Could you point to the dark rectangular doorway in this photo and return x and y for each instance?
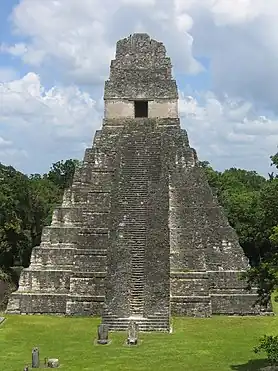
(141, 108)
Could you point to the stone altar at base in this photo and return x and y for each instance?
(139, 235)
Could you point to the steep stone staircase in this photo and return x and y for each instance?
(135, 196)
(136, 208)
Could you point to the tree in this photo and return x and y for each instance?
(61, 173)
(265, 274)
(26, 206)
(238, 191)
(14, 215)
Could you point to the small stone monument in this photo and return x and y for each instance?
(53, 363)
(35, 358)
(132, 333)
(103, 334)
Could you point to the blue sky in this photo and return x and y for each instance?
(55, 56)
(7, 60)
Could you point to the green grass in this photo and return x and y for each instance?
(217, 343)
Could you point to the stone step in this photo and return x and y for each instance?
(141, 288)
(138, 260)
(143, 326)
(137, 305)
(139, 296)
(137, 302)
(138, 275)
(139, 265)
(137, 285)
(137, 290)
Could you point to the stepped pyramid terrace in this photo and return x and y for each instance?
(139, 234)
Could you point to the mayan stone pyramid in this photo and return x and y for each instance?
(139, 234)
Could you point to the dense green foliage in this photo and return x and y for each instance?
(26, 205)
(200, 344)
(251, 205)
(249, 200)
(269, 345)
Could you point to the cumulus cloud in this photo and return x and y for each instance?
(7, 74)
(40, 126)
(239, 37)
(79, 38)
(73, 42)
(4, 143)
(46, 124)
(229, 133)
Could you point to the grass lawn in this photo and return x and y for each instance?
(217, 343)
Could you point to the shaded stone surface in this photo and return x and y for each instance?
(132, 338)
(139, 231)
(103, 331)
(35, 358)
(53, 363)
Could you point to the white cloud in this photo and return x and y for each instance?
(5, 143)
(239, 37)
(79, 38)
(228, 133)
(73, 42)
(45, 124)
(40, 126)
(7, 74)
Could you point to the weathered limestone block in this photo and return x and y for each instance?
(91, 261)
(53, 281)
(192, 306)
(236, 304)
(189, 284)
(53, 363)
(35, 358)
(42, 303)
(84, 306)
(103, 331)
(51, 256)
(92, 239)
(92, 286)
(54, 235)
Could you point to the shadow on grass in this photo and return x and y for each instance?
(255, 365)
